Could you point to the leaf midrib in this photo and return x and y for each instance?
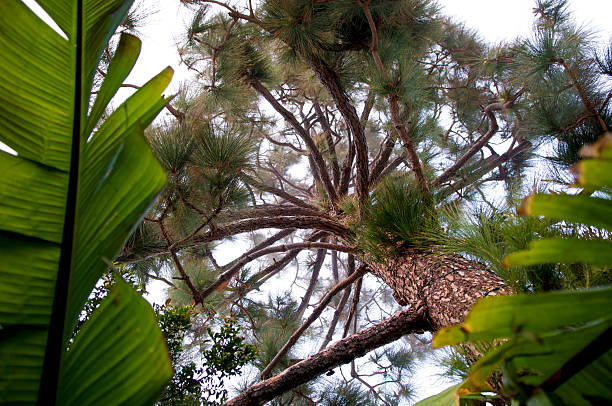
(47, 393)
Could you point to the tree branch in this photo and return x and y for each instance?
(381, 159)
(239, 227)
(330, 142)
(393, 103)
(226, 276)
(264, 244)
(310, 144)
(481, 142)
(330, 80)
(314, 277)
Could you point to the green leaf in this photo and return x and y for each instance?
(506, 316)
(138, 110)
(124, 196)
(546, 334)
(107, 353)
(537, 355)
(591, 385)
(565, 250)
(449, 397)
(594, 173)
(589, 210)
(37, 73)
(124, 59)
(68, 201)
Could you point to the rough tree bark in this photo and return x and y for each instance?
(439, 290)
(445, 285)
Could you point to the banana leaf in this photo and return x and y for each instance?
(69, 198)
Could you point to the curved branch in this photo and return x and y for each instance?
(239, 227)
(310, 144)
(488, 164)
(481, 142)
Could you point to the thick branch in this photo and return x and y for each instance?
(268, 211)
(393, 165)
(340, 353)
(415, 162)
(347, 166)
(239, 227)
(330, 80)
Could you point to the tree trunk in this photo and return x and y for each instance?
(445, 285)
(440, 290)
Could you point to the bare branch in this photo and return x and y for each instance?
(481, 142)
(226, 276)
(330, 142)
(314, 277)
(312, 147)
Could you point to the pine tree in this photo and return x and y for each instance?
(402, 118)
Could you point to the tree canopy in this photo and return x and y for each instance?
(334, 141)
(343, 179)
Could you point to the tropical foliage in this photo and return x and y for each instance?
(379, 135)
(555, 347)
(70, 195)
